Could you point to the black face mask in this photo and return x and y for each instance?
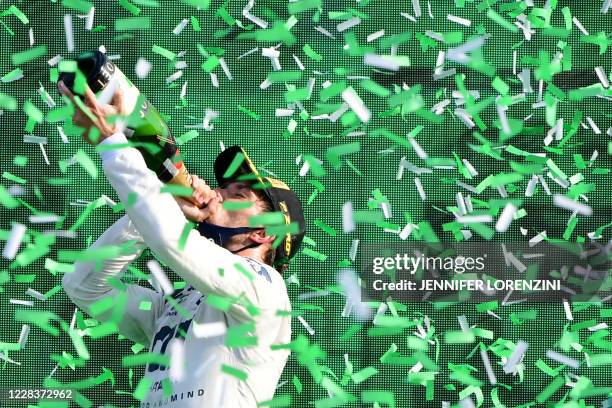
(221, 235)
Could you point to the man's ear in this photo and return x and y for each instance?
(260, 236)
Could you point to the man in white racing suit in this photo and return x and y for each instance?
(218, 341)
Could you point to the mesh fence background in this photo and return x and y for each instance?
(375, 166)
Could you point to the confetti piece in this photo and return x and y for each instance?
(14, 241)
(85, 161)
(28, 55)
(459, 20)
(133, 23)
(502, 22)
(239, 374)
(160, 277)
(206, 330)
(560, 358)
(78, 5)
(506, 217)
(7, 102)
(164, 52)
(515, 357)
(307, 326)
(566, 203)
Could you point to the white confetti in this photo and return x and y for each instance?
(375, 35)
(14, 241)
(487, 363)
(348, 221)
(560, 358)
(183, 90)
(568, 310)
(406, 231)
(345, 25)
(380, 61)
(409, 17)
(21, 302)
(35, 294)
(419, 187)
(180, 26)
(143, 67)
(325, 32)
(43, 218)
(471, 219)
(62, 134)
(461, 203)
(23, 336)
(353, 250)
(280, 112)
(249, 52)
(31, 34)
(298, 62)
(160, 277)
(416, 6)
(580, 26)
(90, 19)
(54, 61)
(531, 186)
(225, 68)
(356, 104)
(459, 20)
(567, 203)
(417, 148)
(46, 97)
(350, 288)
(177, 359)
(506, 217)
(68, 32)
(602, 77)
(307, 326)
(207, 330)
(174, 77)
(593, 126)
(214, 80)
(44, 153)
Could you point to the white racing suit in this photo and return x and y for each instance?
(227, 299)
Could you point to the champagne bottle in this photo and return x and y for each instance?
(146, 128)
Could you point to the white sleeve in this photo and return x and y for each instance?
(208, 267)
(90, 283)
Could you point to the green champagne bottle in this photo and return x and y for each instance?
(147, 129)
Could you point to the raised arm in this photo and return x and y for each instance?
(206, 266)
(89, 283)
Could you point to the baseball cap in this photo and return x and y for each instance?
(234, 164)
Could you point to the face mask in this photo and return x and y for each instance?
(221, 235)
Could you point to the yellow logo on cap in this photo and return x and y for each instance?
(285, 211)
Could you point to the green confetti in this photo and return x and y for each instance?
(303, 5)
(177, 190)
(13, 75)
(129, 7)
(17, 13)
(502, 22)
(28, 55)
(78, 5)
(7, 102)
(234, 372)
(133, 23)
(186, 137)
(312, 54)
(164, 52)
(249, 112)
